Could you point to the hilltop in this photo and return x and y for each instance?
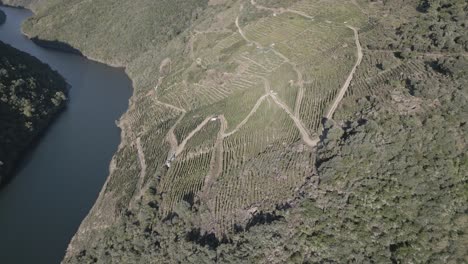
(278, 131)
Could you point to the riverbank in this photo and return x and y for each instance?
(65, 47)
(56, 44)
(61, 177)
(27, 107)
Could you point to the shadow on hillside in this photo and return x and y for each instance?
(56, 45)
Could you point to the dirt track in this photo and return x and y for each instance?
(181, 146)
(304, 134)
(142, 160)
(345, 86)
(254, 109)
(177, 148)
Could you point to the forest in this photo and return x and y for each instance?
(31, 95)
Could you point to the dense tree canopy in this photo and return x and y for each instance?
(31, 93)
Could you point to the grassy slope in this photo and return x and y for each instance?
(31, 94)
(158, 215)
(131, 28)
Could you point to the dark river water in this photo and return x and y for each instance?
(57, 184)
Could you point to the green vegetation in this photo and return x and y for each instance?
(225, 154)
(442, 28)
(31, 94)
(152, 25)
(395, 175)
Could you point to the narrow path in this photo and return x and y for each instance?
(177, 149)
(299, 13)
(216, 163)
(246, 119)
(141, 179)
(300, 92)
(359, 7)
(141, 158)
(181, 146)
(190, 45)
(260, 7)
(345, 87)
(304, 134)
(280, 10)
(300, 81)
(241, 32)
(171, 106)
(171, 137)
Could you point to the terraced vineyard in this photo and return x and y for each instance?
(228, 152)
(247, 179)
(243, 99)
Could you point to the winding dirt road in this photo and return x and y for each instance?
(304, 134)
(246, 119)
(345, 86)
(181, 146)
(295, 117)
(141, 178)
(279, 10)
(177, 149)
(171, 137)
(216, 163)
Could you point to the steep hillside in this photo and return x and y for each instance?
(273, 131)
(22, 3)
(149, 25)
(31, 94)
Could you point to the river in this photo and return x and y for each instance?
(58, 182)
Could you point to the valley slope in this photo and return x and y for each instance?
(275, 131)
